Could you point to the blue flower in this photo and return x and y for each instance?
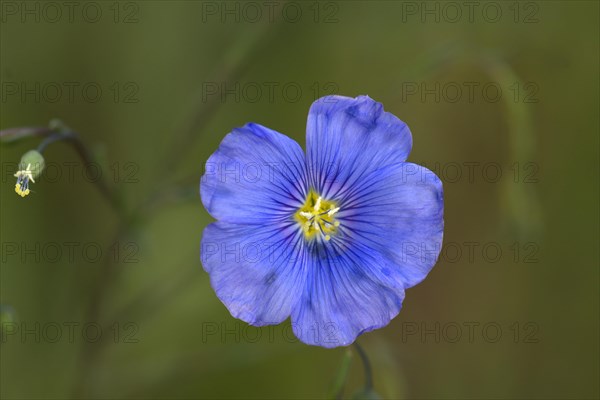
(331, 239)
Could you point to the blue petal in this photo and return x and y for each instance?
(346, 294)
(256, 175)
(397, 211)
(390, 237)
(256, 271)
(347, 138)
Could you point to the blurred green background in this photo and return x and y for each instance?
(176, 76)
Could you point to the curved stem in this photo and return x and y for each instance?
(13, 135)
(74, 139)
(342, 376)
(367, 366)
(235, 62)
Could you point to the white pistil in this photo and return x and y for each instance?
(26, 173)
(333, 211)
(305, 214)
(318, 204)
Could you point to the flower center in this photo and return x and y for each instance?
(316, 217)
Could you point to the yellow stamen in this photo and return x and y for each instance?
(316, 217)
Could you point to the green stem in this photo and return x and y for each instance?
(341, 377)
(366, 365)
(173, 195)
(235, 62)
(90, 352)
(74, 140)
(14, 135)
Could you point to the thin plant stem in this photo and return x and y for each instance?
(342, 376)
(235, 62)
(13, 135)
(74, 140)
(90, 353)
(367, 366)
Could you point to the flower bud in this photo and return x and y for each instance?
(31, 166)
